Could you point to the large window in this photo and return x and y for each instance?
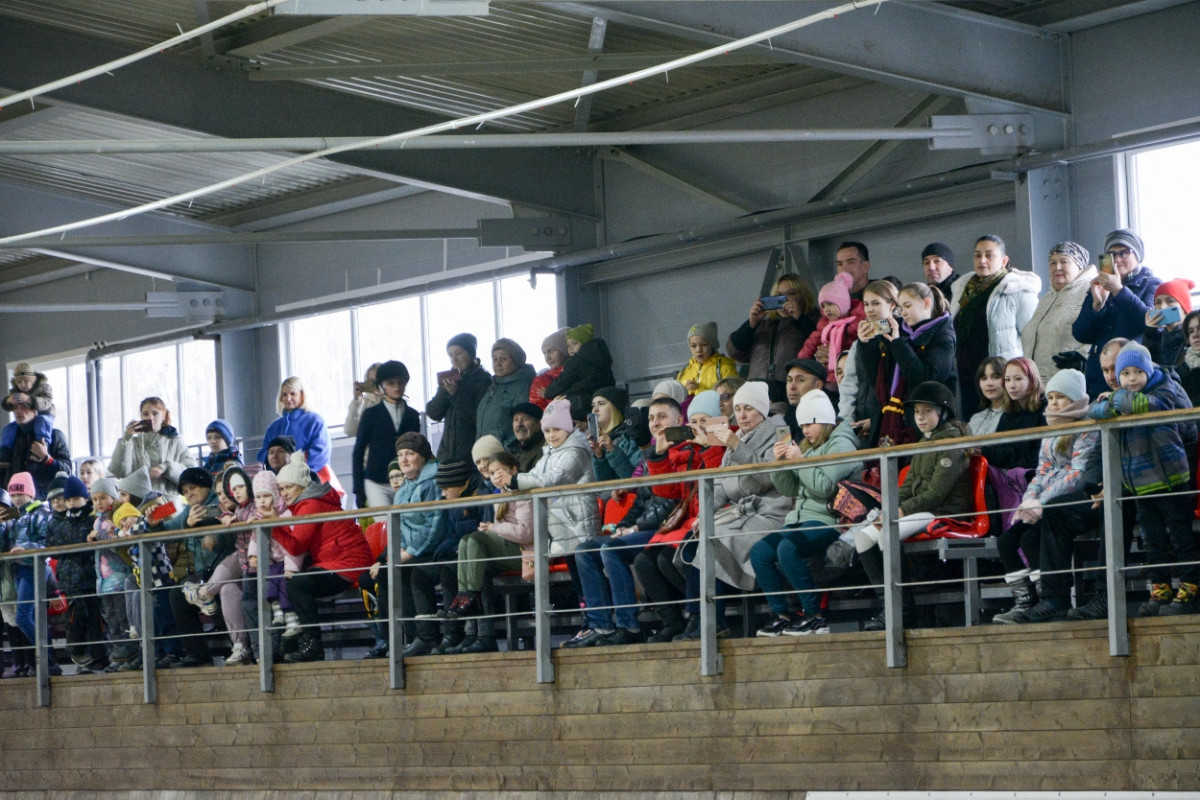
(330, 351)
(1163, 183)
(69, 382)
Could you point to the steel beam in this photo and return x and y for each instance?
(913, 45)
(594, 62)
(583, 109)
(244, 238)
(178, 91)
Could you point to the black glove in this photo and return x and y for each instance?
(1070, 359)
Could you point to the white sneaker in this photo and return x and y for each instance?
(133, 632)
(292, 621)
(191, 593)
(240, 655)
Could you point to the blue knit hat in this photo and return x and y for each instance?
(1135, 355)
(222, 428)
(75, 488)
(707, 403)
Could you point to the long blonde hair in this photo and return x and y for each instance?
(291, 383)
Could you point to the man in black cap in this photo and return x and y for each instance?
(279, 450)
(527, 428)
(803, 376)
(937, 260)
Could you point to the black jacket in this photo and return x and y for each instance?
(583, 373)
(43, 472)
(76, 571)
(1017, 454)
(457, 413)
(376, 445)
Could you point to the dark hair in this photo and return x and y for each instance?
(504, 459)
(859, 246)
(670, 402)
(924, 291)
(1186, 321)
(994, 239)
(996, 363)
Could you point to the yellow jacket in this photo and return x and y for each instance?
(716, 369)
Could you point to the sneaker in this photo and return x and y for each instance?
(466, 604)
(777, 626)
(1160, 596)
(1096, 608)
(876, 623)
(807, 626)
(1185, 602)
(191, 593)
(132, 665)
(623, 636)
(587, 638)
(482, 644)
(1045, 611)
(691, 632)
(666, 633)
(195, 661)
(166, 661)
(292, 621)
(454, 649)
(240, 656)
(418, 647)
(380, 650)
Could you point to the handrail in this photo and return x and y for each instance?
(710, 659)
(598, 487)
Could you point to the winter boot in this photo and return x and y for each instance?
(1096, 608)
(1047, 610)
(1185, 602)
(672, 624)
(872, 562)
(1024, 598)
(1160, 596)
(308, 648)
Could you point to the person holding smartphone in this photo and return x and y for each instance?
(615, 453)
(1117, 304)
(151, 441)
(1165, 337)
(771, 336)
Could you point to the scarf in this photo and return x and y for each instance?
(1073, 413)
(979, 285)
(1191, 358)
(834, 336)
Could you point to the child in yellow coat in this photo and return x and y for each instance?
(706, 368)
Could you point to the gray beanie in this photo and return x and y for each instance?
(136, 484)
(1070, 383)
(707, 330)
(109, 487)
(1129, 239)
(671, 388)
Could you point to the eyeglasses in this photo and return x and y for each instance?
(725, 397)
(1121, 253)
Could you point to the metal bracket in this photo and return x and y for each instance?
(531, 233)
(991, 134)
(194, 301)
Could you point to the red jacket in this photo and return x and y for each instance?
(334, 546)
(682, 458)
(537, 389)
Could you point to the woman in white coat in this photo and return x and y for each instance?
(991, 307)
(1048, 332)
(152, 442)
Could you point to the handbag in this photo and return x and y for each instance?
(56, 604)
(679, 513)
(853, 501)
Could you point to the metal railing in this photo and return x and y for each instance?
(710, 658)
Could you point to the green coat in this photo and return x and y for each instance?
(938, 482)
(814, 487)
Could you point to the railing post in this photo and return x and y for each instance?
(146, 604)
(710, 659)
(266, 654)
(41, 629)
(541, 591)
(394, 611)
(889, 543)
(1114, 541)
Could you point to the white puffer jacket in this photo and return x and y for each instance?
(571, 519)
(1009, 309)
(1049, 330)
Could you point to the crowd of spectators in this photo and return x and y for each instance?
(863, 362)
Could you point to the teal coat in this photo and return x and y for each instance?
(814, 487)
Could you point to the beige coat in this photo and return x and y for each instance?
(1049, 329)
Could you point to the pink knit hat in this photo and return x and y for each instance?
(265, 482)
(558, 415)
(22, 483)
(837, 291)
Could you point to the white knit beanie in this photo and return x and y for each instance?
(756, 395)
(296, 471)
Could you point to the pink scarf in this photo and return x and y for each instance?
(833, 337)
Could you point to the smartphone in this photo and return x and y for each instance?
(162, 512)
(449, 375)
(593, 428)
(883, 325)
(679, 433)
(1169, 316)
(783, 434)
(773, 302)
(1106, 264)
(143, 426)
(715, 424)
